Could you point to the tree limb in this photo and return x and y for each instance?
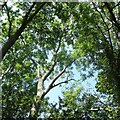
(53, 81)
(10, 22)
(99, 28)
(49, 72)
(3, 5)
(9, 69)
(14, 38)
(52, 67)
(38, 8)
(116, 5)
(27, 14)
(62, 83)
(106, 26)
(113, 18)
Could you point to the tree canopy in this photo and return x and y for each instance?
(42, 41)
(76, 104)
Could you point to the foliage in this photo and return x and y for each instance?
(53, 37)
(77, 104)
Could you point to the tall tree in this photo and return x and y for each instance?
(52, 36)
(45, 44)
(98, 43)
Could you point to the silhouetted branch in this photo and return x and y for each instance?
(13, 38)
(62, 83)
(105, 25)
(10, 22)
(113, 18)
(3, 5)
(54, 80)
(49, 72)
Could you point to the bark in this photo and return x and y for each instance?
(37, 101)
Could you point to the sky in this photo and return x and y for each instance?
(88, 85)
(55, 92)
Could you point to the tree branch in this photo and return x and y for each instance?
(99, 28)
(52, 67)
(49, 72)
(62, 83)
(113, 18)
(53, 81)
(38, 8)
(59, 44)
(10, 22)
(106, 26)
(116, 5)
(13, 38)
(27, 14)
(3, 5)
(6, 72)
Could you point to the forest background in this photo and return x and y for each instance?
(44, 43)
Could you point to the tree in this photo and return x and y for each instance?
(60, 34)
(98, 43)
(77, 104)
(23, 90)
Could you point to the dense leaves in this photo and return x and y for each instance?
(52, 37)
(77, 104)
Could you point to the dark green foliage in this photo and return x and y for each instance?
(57, 35)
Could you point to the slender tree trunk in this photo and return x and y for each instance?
(36, 105)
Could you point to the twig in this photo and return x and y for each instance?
(6, 72)
(62, 83)
(10, 22)
(3, 5)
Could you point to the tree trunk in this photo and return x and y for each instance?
(36, 105)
